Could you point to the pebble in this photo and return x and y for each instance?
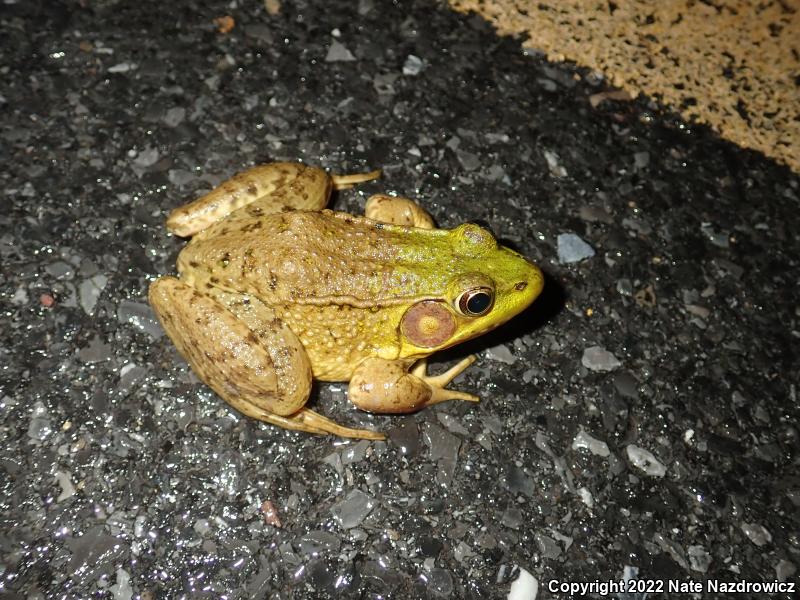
(413, 65)
(141, 316)
(122, 67)
(554, 164)
(353, 509)
(525, 587)
(405, 437)
(512, 518)
(20, 297)
(39, 427)
(122, 588)
(699, 559)
(626, 385)
(440, 582)
(784, 570)
(355, 453)
(442, 444)
(644, 460)
(548, 547)
(147, 157)
(174, 116)
(339, 53)
(60, 269)
(585, 441)
(572, 249)
(586, 496)
(318, 541)
(501, 353)
(65, 483)
(757, 534)
(595, 214)
(89, 292)
(469, 160)
(97, 351)
(596, 358)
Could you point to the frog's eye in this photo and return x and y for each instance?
(475, 302)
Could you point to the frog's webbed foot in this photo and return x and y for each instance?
(396, 210)
(387, 386)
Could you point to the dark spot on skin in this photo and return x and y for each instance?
(252, 189)
(255, 225)
(214, 280)
(254, 211)
(521, 286)
(349, 221)
(194, 264)
(208, 285)
(251, 338)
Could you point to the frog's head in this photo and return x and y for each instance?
(484, 285)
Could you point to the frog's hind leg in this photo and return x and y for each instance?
(251, 359)
(264, 189)
(306, 420)
(397, 211)
(268, 366)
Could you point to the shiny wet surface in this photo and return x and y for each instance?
(641, 415)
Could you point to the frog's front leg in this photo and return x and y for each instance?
(397, 210)
(263, 189)
(251, 359)
(387, 386)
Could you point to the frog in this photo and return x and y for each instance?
(275, 291)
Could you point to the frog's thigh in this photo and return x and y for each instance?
(397, 211)
(386, 386)
(267, 368)
(263, 189)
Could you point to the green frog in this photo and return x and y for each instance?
(275, 291)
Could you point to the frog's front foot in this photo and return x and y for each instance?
(387, 386)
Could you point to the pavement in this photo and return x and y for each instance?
(638, 422)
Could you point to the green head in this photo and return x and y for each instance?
(466, 283)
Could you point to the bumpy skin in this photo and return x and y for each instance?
(273, 291)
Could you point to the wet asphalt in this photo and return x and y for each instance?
(639, 420)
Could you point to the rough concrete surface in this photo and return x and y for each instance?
(639, 421)
(733, 64)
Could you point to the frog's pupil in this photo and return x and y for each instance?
(478, 303)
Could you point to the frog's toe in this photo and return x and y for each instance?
(397, 211)
(343, 182)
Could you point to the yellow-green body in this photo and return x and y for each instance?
(291, 279)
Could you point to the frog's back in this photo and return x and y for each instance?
(300, 257)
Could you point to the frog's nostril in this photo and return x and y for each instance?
(521, 286)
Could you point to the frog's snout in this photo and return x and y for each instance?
(530, 285)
